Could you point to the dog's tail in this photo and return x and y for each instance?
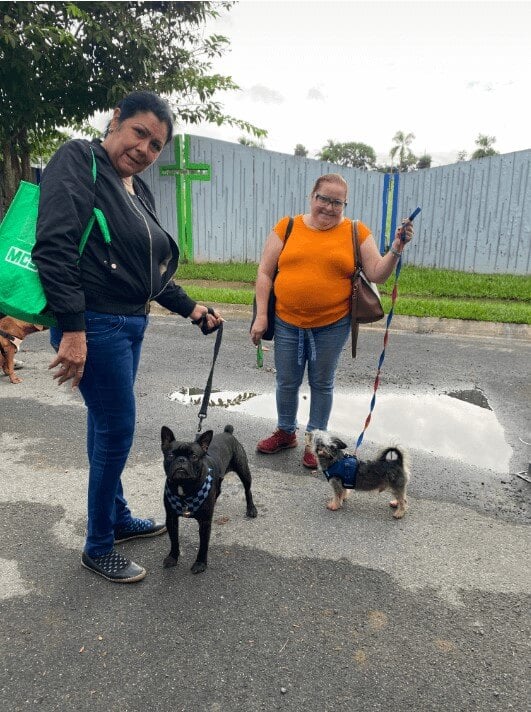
(228, 429)
(401, 458)
(399, 455)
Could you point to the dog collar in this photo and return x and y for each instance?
(186, 506)
(345, 469)
(16, 342)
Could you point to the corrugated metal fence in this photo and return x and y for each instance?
(476, 215)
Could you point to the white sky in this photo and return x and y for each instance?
(361, 71)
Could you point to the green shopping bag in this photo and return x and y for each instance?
(21, 292)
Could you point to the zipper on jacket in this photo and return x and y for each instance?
(139, 212)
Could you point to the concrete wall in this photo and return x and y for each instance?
(476, 215)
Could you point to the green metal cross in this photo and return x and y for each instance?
(185, 172)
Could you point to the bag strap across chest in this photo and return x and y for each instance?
(356, 248)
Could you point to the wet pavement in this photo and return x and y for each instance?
(301, 609)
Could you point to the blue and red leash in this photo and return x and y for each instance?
(394, 295)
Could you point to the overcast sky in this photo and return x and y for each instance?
(361, 71)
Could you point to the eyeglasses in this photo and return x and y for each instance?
(325, 200)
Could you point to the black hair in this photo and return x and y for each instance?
(141, 101)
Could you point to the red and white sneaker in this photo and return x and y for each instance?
(308, 459)
(280, 440)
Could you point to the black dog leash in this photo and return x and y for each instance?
(208, 389)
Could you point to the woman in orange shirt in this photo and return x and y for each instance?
(313, 289)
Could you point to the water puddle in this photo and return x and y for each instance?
(223, 399)
(474, 396)
(446, 425)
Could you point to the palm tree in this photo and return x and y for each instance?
(405, 155)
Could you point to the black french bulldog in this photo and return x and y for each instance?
(194, 473)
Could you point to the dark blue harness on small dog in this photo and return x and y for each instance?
(345, 469)
(186, 506)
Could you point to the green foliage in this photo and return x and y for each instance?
(423, 161)
(251, 142)
(357, 155)
(300, 150)
(60, 62)
(485, 146)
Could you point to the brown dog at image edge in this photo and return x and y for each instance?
(12, 333)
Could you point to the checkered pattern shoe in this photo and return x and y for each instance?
(114, 567)
(139, 529)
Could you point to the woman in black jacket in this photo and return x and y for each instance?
(101, 301)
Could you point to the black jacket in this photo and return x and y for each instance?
(113, 279)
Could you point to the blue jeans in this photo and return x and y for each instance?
(318, 348)
(114, 343)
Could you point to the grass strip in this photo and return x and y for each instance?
(509, 312)
(421, 281)
(219, 271)
(413, 281)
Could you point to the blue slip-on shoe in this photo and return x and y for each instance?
(114, 567)
(139, 529)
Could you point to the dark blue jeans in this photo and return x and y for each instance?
(114, 344)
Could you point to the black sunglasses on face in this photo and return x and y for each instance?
(325, 200)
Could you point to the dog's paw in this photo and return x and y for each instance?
(393, 503)
(198, 567)
(169, 561)
(399, 513)
(252, 512)
(333, 505)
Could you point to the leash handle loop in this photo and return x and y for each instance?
(202, 323)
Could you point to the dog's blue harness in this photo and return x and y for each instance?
(186, 506)
(345, 469)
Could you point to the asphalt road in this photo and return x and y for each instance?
(302, 609)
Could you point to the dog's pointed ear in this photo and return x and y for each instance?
(337, 442)
(166, 437)
(205, 439)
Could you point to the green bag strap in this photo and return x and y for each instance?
(97, 215)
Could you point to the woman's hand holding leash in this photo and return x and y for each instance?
(404, 234)
(206, 318)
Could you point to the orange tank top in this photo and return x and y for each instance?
(313, 284)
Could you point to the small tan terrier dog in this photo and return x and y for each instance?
(389, 471)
